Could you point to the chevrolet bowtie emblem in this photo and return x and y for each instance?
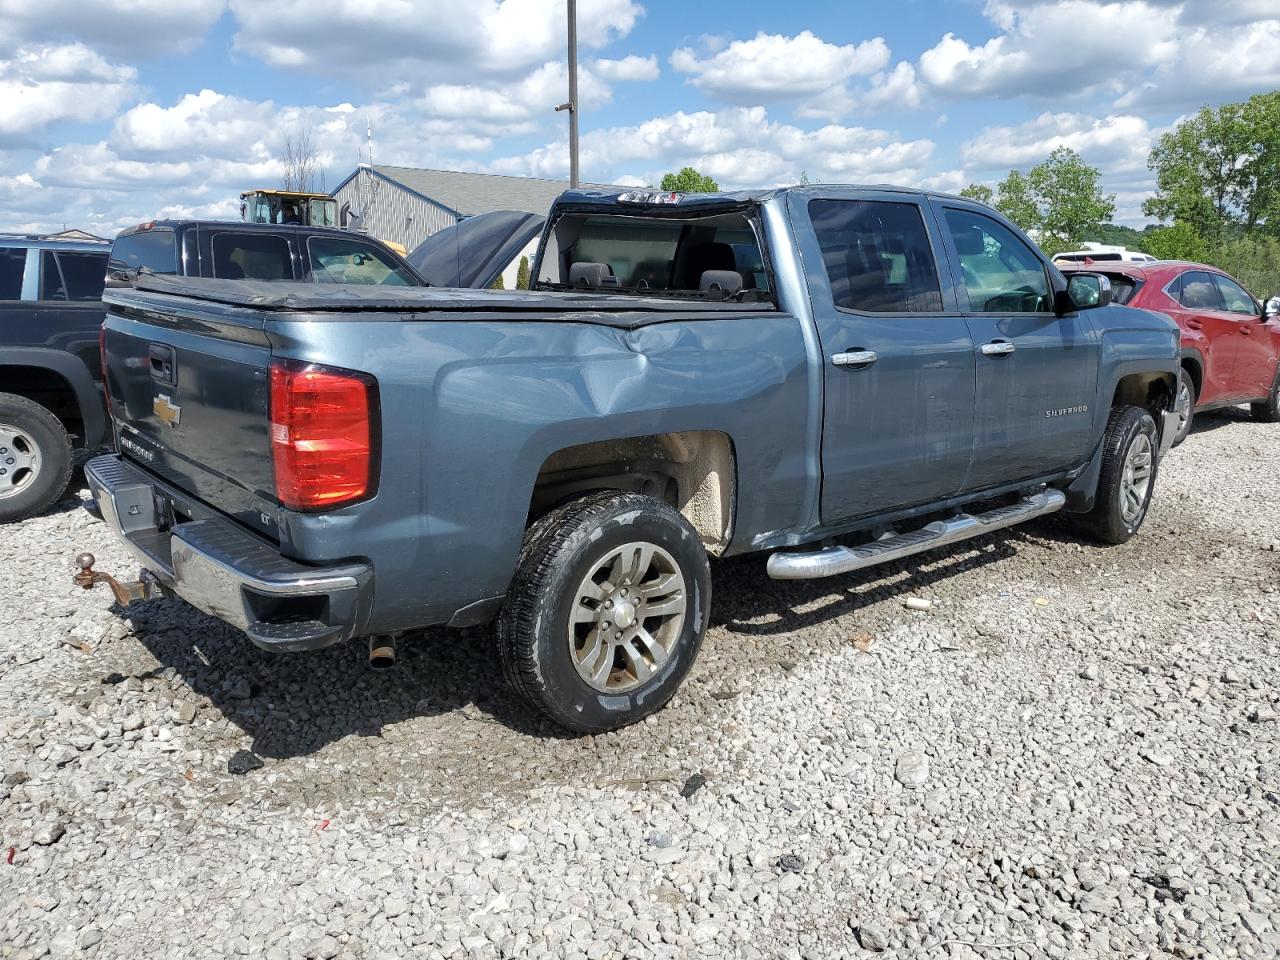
(166, 410)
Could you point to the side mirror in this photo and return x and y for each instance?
(1086, 291)
(1272, 308)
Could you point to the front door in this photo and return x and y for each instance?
(1036, 371)
(1204, 312)
(1254, 368)
(898, 362)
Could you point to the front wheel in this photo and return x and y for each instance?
(1268, 411)
(35, 458)
(1130, 452)
(606, 611)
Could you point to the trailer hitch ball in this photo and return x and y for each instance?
(144, 588)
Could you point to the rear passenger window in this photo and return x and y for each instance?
(1002, 274)
(82, 275)
(877, 256)
(1199, 292)
(13, 262)
(251, 256)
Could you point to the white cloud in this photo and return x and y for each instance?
(431, 39)
(207, 122)
(740, 147)
(629, 68)
(772, 67)
(42, 86)
(1118, 144)
(1138, 51)
(136, 28)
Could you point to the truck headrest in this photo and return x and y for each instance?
(586, 274)
(724, 282)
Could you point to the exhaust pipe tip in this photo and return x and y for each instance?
(382, 652)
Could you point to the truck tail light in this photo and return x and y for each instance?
(324, 435)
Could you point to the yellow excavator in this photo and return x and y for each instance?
(293, 206)
(289, 206)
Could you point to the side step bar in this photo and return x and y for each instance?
(832, 561)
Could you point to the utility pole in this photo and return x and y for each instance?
(572, 105)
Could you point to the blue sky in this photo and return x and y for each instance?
(115, 111)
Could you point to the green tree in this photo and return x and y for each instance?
(1219, 171)
(497, 284)
(1059, 201)
(1014, 200)
(522, 274)
(1177, 242)
(689, 180)
(979, 192)
(1254, 261)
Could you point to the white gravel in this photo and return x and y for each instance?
(1074, 752)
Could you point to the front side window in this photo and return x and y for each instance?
(251, 256)
(877, 256)
(13, 262)
(1002, 274)
(1235, 297)
(336, 260)
(1199, 292)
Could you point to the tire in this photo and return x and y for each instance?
(1187, 394)
(1268, 411)
(567, 569)
(35, 458)
(1115, 516)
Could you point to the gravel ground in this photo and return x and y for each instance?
(1074, 752)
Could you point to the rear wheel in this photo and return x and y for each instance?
(35, 458)
(606, 611)
(1185, 405)
(1268, 411)
(1128, 478)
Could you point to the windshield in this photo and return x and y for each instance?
(715, 257)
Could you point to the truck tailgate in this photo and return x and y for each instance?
(189, 393)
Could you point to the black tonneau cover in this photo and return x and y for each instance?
(620, 310)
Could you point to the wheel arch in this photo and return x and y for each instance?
(1193, 363)
(694, 471)
(62, 384)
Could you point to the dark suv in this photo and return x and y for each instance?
(50, 295)
(50, 397)
(256, 251)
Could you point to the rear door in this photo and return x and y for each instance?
(69, 304)
(1254, 369)
(1036, 371)
(898, 361)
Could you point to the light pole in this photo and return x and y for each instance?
(572, 105)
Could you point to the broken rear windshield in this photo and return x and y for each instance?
(716, 257)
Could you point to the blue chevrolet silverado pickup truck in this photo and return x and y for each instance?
(839, 376)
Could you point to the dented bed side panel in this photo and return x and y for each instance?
(471, 412)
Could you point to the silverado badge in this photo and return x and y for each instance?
(166, 409)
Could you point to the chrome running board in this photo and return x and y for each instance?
(832, 561)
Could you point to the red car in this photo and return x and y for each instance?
(1230, 342)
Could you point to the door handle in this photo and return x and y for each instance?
(855, 358)
(998, 348)
(1195, 324)
(1246, 330)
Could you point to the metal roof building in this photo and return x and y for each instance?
(406, 204)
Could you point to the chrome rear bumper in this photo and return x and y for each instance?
(222, 569)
